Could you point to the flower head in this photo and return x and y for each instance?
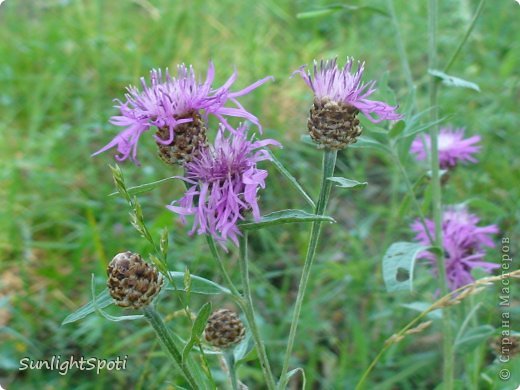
(224, 329)
(453, 148)
(131, 281)
(224, 181)
(178, 107)
(339, 94)
(464, 244)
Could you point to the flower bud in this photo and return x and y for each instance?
(224, 329)
(132, 282)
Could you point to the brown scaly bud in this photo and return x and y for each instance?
(333, 125)
(224, 329)
(132, 282)
(188, 139)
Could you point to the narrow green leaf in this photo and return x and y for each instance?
(453, 81)
(473, 338)
(397, 129)
(103, 299)
(197, 329)
(143, 187)
(347, 183)
(198, 285)
(423, 306)
(281, 217)
(291, 373)
(291, 179)
(399, 263)
(366, 142)
(332, 9)
(244, 348)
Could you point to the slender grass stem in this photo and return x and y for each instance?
(448, 356)
(411, 193)
(248, 308)
(465, 37)
(166, 339)
(445, 302)
(400, 47)
(329, 162)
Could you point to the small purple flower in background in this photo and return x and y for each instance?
(224, 183)
(178, 107)
(453, 148)
(464, 244)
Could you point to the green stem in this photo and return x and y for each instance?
(249, 311)
(411, 193)
(448, 357)
(465, 37)
(329, 162)
(229, 357)
(166, 339)
(218, 259)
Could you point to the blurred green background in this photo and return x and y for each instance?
(61, 65)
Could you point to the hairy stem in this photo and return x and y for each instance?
(166, 339)
(448, 356)
(248, 308)
(329, 162)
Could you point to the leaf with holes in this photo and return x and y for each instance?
(399, 263)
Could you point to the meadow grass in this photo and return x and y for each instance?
(62, 63)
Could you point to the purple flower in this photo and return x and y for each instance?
(464, 244)
(452, 147)
(170, 101)
(329, 82)
(224, 181)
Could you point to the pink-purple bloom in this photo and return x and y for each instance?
(224, 180)
(343, 85)
(464, 244)
(453, 147)
(169, 101)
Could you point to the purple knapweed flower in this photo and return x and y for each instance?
(453, 148)
(328, 81)
(224, 181)
(176, 105)
(339, 95)
(464, 244)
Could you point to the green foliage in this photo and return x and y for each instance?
(63, 62)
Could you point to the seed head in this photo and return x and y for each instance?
(132, 282)
(224, 329)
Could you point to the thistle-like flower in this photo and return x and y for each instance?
(132, 282)
(224, 329)
(464, 244)
(453, 148)
(178, 107)
(339, 95)
(224, 181)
